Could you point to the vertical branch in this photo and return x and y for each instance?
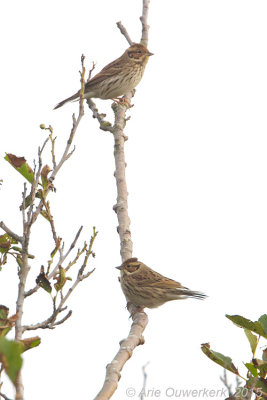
(121, 207)
(31, 216)
(143, 391)
(24, 269)
(143, 19)
(140, 319)
(75, 124)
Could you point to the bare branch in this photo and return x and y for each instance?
(124, 33)
(121, 207)
(48, 323)
(91, 71)
(143, 19)
(32, 216)
(73, 244)
(140, 319)
(63, 319)
(53, 140)
(60, 262)
(10, 232)
(89, 252)
(70, 291)
(4, 396)
(40, 150)
(75, 123)
(51, 220)
(228, 386)
(104, 125)
(143, 391)
(127, 346)
(24, 267)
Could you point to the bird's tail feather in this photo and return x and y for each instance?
(197, 295)
(74, 97)
(185, 293)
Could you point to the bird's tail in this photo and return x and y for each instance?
(75, 96)
(192, 293)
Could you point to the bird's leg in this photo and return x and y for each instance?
(123, 101)
(133, 309)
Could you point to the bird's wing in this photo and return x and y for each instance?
(112, 69)
(154, 279)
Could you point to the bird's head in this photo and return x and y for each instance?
(130, 266)
(138, 53)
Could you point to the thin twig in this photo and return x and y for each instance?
(30, 213)
(4, 396)
(224, 380)
(60, 262)
(104, 125)
(51, 220)
(32, 216)
(91, 71)
(75, 123)
(10, 232)
(50, 323)
(143, 391)
(124, 32)
(63, 319)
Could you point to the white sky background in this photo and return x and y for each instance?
(196, 177)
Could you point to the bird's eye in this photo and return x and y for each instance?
(132, 268)
(139, 52)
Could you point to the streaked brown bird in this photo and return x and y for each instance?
(144, 287)
(116, 78)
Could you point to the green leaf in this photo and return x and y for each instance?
(263, 321)
(61, 279)
(10, 357)
(263, 370)
(261, 366)
(43, 282)
(5, 242)
(19, 261)
(253, 340)
(218, 358)
(3, 314)
(20, 164)
(252, 369)
(258, 383)
(30, 343)
(242, 322)
(35, 343)
(44, 173)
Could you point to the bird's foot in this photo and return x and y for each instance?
(123, 101)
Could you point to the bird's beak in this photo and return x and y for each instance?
(149, 54)
(118, 267)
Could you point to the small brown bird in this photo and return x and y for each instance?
(144, 287)
(116, 78)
